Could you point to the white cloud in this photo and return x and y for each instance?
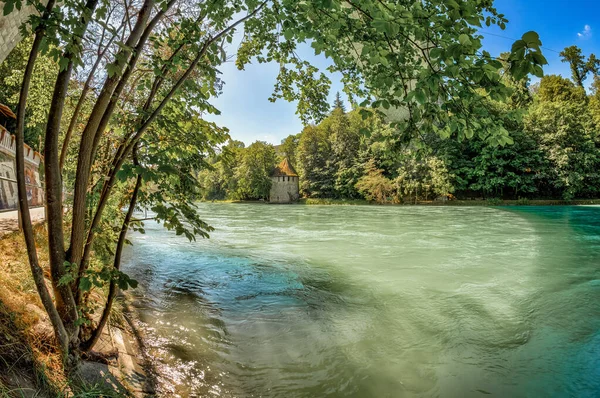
(585, 33)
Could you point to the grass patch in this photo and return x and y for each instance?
(28, 356)
(85, 390)
(30, 364)
(471, 203)
(326, 201)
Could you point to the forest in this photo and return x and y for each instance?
(554, 151)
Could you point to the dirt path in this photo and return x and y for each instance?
(9, 220)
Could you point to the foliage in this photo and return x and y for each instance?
(422, 177)
(565, 133)
(289, 147)
(314, 163)
(580, 67)
(557, 88)
(239, 173)
(338, 103)
(11, 75)
(253, 175)
(374, 186)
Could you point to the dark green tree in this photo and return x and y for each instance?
(338, 103)
(253, 174)
(314, 163)
(289, 147)
(580, 67)
(565, 132)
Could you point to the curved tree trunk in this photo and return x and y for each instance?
(37, 272)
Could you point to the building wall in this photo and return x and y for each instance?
(9, 27)
(284, 190)
(8, 177)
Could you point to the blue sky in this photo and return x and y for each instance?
(247, 112)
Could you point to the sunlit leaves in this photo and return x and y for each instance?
(526, 56)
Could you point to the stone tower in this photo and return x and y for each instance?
(284, 187)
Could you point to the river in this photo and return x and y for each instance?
(374, 301)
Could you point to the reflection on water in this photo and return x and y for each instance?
(306, 301)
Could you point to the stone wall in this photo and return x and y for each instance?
(8, 177)
(9, 27)
(284, 190)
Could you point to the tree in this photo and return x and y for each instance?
(374, 186)
(314, 163)
(580, 67)
(564, 132)
(422, 177)
(11, 76)
(289, 147)
(338, 103)
(557, 88)
(594, 102)
(521, 96)
(253, 175)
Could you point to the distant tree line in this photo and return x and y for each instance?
(554, 154)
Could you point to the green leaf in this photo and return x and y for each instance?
(85, 284)
(464, 40)
(518, 45)
(112, 69)
(365, 114)
(8, 7)
(435, 52)
(538, 71)
(532, 39)
(66, 279)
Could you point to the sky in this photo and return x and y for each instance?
(247, 112)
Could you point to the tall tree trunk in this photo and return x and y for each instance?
(65, 300)
(54, 209)
(27, 227)
(80, 101)
(137, 51)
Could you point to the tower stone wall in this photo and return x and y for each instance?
(8, 174)
(284, 189)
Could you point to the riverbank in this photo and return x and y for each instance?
(30, 365)
(488, 202)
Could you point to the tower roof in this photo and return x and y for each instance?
(7, 112)
(284, 169)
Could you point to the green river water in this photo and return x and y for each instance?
(373, 301)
